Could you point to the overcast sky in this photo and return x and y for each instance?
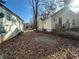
(75, 5)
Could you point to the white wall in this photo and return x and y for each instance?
(12, 26)
(40, 24)
(47, 25)
(66, 15)
(52, 22)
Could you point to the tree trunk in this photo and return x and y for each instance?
(36, 15)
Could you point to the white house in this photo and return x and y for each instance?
(62, 19)
(10, 24)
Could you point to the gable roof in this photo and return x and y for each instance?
(64, 8)
(1, 5)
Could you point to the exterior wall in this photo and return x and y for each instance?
(21, 25)
(40, 25)
(9, 19)
(11, 23)
(47, 25)
(67, 19)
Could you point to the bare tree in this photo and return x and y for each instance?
(50, 7)
(43, 5)
(35, 9)
(34, 5)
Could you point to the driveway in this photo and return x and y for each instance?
(34, 45)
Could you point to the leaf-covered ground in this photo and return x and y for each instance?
(33, 45)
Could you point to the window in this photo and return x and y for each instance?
(60, 20)
(73, 22)
(2, 30)
(67, 24)
(14, 19)
(1, 15)
(8, 16)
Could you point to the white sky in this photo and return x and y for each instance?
(74, 5)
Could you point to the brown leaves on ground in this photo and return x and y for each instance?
(25, 46)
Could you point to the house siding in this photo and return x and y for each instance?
(11, 23)
(48, 25)
(67, 16)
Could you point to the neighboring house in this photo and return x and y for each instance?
(44, 25)
(10, 24)
(27, 26)
(62, 19)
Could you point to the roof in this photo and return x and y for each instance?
(64, 8)
(1, 5)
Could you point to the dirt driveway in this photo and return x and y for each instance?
(34, 45)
